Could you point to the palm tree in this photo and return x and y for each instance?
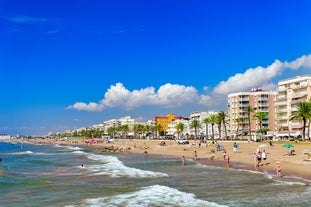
(249, 110)
(239, 121)
(125, 129)
(180, 128)
(195, 124)
(159, 129)
(222, 116)
(303, 113)
(218, 122)
(206, 121)
(260, 116)
(213, 119)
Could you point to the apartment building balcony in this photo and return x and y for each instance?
(295, 102)
(282, 89)
(281, 97)
(243, 106)
(278, 118)
(299, 86)
(281, 110)
(300, 94)
(263, 110)
(280, 125)
(281, 103)
(296, 125)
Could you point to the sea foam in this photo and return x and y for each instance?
(155, 195)
(112, 166)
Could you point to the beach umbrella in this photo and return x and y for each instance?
(288, 145)
(262, 145)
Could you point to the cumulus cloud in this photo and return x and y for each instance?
(167, 96)
(175, 95)
(260, 76)
(86, 107)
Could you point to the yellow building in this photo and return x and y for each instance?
(163, 121)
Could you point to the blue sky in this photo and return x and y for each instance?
(68, 64)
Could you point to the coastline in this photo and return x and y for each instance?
(292, 166)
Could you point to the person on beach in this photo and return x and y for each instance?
(224, 154)
(183, 160)
(227, 160)
(195, 155)
(270, 143)
(255, 157)
(259, 158)
(278, 169)
(235, 147)
(263, 155)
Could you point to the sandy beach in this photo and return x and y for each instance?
(243, 158)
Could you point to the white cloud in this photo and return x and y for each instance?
(259, 76)
(168, 96)
(303, 61)
(86, 107)
(175, 95)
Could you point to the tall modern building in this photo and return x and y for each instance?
(257, 99)
(291, 92)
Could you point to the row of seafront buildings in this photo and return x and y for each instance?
(279, 105)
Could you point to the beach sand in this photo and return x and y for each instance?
(243, 158)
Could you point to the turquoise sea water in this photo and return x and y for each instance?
(47, 175)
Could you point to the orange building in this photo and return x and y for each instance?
(163, 121)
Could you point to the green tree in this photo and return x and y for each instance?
(239, 121)
(180, 128)
(111, 131)
(222, 117)
(260, 115)
(195, 124)
(219, 123)
(124, 129)
(206, 121)
(213, 118)
(304, 114)
(249, 110)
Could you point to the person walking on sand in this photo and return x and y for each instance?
(195, 155)
(278, 169)
(255, 157)
(263, 155)
(183, 160)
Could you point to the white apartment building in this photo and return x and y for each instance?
(291, 92)
(257, 99)
(201, 131)
(171, 128)
(205, 129)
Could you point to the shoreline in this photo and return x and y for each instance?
(292, 166)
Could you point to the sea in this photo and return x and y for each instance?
(74, 176)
